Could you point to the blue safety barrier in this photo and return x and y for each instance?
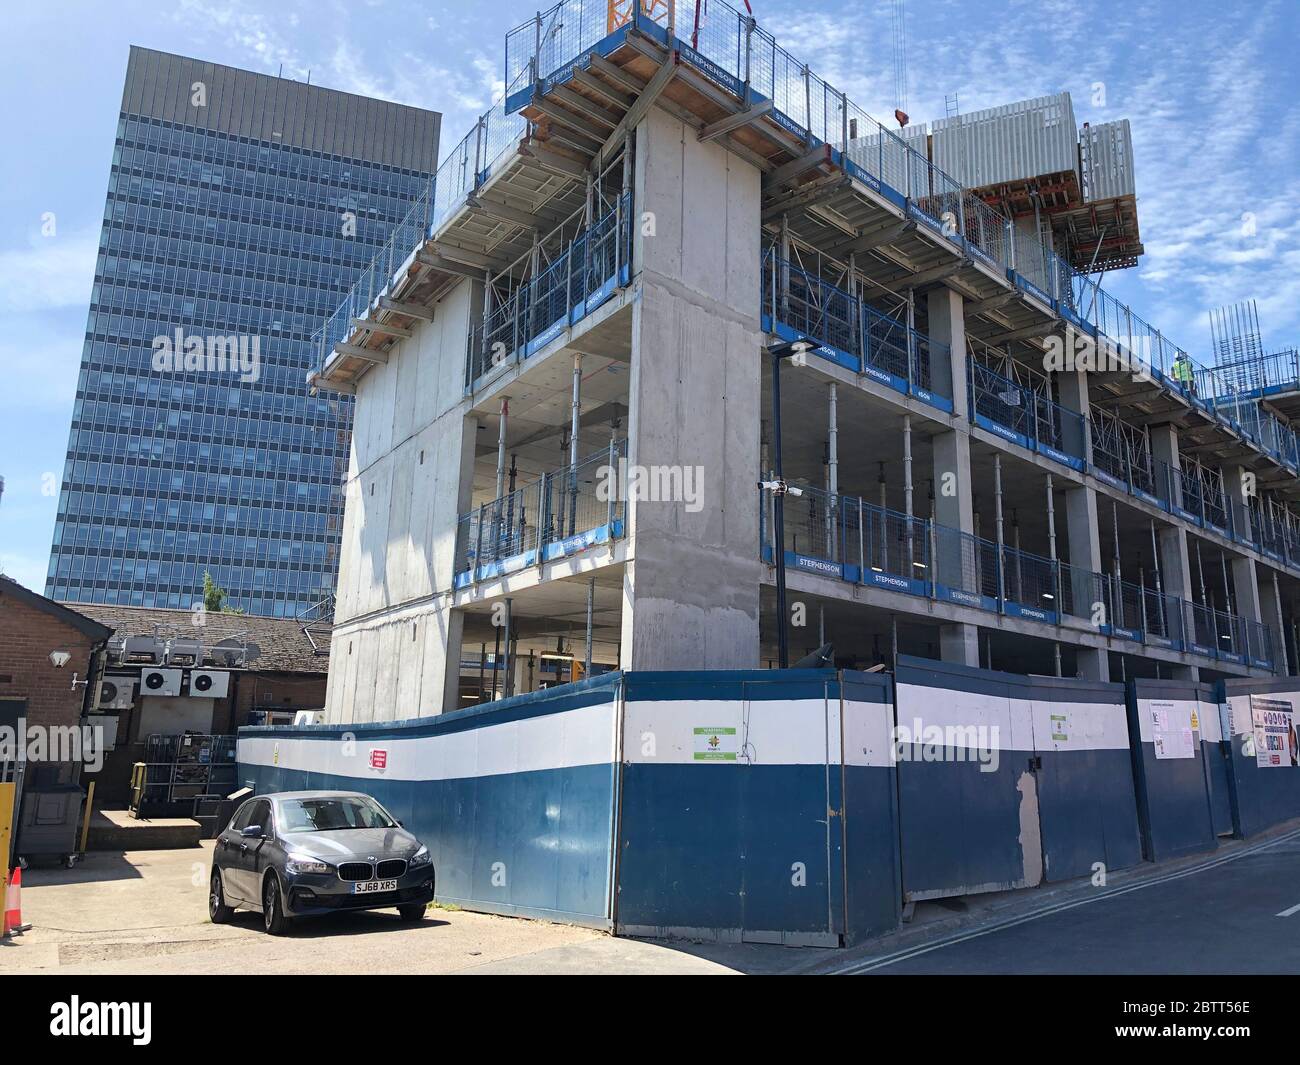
(1169, 766)
(736, 821)
(1259, 730)
(751, 805)
(516, 799)
(1007, 781)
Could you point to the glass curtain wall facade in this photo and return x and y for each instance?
(240, 209)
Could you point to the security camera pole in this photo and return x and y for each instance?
(780, 489)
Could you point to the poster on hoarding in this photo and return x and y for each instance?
(1275, 736)
(1171, 730)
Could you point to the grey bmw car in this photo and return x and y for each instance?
(302, 853)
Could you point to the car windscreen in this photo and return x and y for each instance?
(332, 815)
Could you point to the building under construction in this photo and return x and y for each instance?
(566, 455)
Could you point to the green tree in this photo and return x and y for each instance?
(214, 597)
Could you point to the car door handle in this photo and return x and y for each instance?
(243, 847)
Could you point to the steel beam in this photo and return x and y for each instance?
(789, 171)
(379, 358)
(411, 310)
(386, 328)
(575, 101)
(553, 161)
(591, 83)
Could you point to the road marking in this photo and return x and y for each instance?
(1288, 913)
(1047, 911)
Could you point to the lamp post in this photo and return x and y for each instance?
(779, 489)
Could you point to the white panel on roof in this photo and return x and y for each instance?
(1108, 148)
(1011, 142)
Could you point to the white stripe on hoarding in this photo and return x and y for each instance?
(868, 732)
(972, 720)
(722, 731)
(1061, 726)
(565, 740)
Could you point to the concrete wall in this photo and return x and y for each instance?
(691, 589)
(408, 481)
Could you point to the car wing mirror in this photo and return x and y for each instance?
(251, 832)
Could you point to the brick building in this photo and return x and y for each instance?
(35, 635)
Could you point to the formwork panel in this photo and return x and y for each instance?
(1008, 143)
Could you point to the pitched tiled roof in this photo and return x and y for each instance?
(286, 646)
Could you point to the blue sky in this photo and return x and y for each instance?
(1211, 89)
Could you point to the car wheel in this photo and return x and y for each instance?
(218, 911)
(273, 918)
(412, 913)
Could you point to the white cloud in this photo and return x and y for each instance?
(50, 272)
(251, 31)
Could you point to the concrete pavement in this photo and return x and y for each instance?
(146, 912)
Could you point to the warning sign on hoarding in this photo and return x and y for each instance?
(716, 744)
(1275, 736)
(1171, 730)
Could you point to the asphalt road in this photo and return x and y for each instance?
(1230, 913)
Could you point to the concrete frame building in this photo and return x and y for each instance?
(998, 463)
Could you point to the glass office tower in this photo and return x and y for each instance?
(240, 209)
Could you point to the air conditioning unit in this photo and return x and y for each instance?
(160, 681)
(145, 650)
(106, 727)
(116, 693)
(184, 652)
(209, 683)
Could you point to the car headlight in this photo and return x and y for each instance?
(305, 863)
(419, 858)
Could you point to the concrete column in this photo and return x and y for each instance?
(1234, 483)
(1084, 538)
(946, 311)
(1270, 604)
(960, 643)
(1245, 583)
(691, 585)
(1073, 386)
(1164, 448)
(952, 477)
(952, 484)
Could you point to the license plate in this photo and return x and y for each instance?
(369, 887)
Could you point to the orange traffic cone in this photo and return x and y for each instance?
(13, 919)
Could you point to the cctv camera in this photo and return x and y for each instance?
(59, 659)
